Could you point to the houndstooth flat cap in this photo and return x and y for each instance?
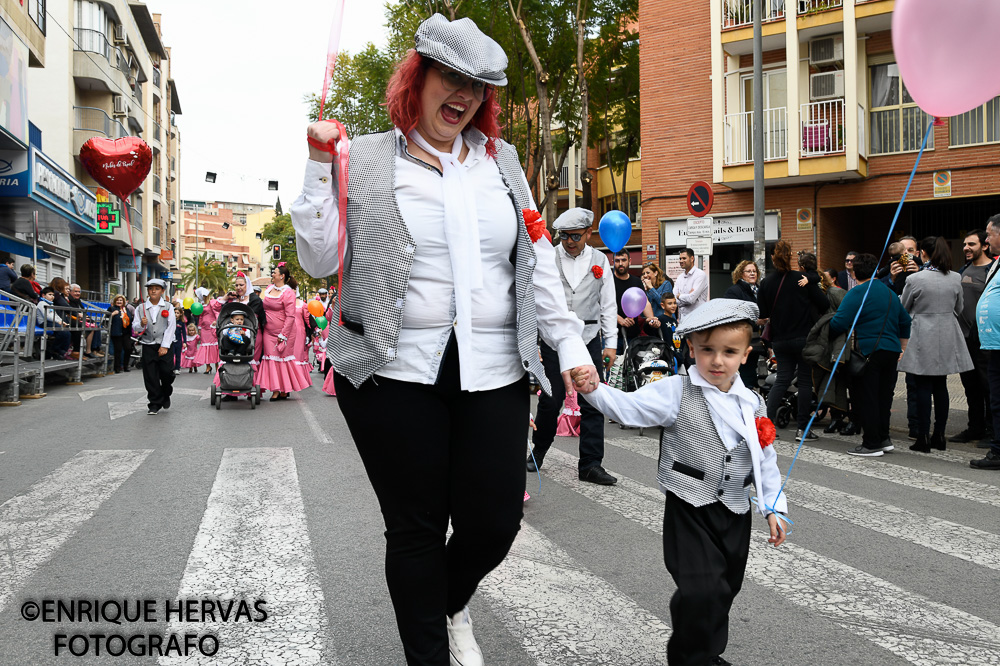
(462, 46)
(574, 218)
(716, 312)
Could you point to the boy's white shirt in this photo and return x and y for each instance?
(658, 403)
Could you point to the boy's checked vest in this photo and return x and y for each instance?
(694, 463)
(155, 328)
(381, 255)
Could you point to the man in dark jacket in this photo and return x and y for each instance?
(846, 279)
(7, 274)
(22, 287)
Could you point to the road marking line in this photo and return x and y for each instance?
(35, 524)
(314, 425)
(943, 536)
(565, 614)
(253, 543)
(909, 625)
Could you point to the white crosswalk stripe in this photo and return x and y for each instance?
(909, 625)
(564, 614)
(943, 536)
(37, 523)
(253, 544)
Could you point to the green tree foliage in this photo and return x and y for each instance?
(211, 274)
(280, 232)
(357, 92)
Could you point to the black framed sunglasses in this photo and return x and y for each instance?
(573, 237)
(453, 81)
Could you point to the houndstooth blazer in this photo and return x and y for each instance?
(381, 245)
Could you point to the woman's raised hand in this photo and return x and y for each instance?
(322, 137)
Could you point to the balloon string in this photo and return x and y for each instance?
(864, 298)
(128, 225)
(332, 49)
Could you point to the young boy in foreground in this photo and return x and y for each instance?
(710, 455)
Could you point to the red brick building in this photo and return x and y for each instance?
(841, 133)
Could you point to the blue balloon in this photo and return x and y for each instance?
(615, 229)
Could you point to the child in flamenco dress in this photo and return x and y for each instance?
(190, 353)
(208, 347)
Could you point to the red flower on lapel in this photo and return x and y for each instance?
(534, 223)
(598, 272)
(765, 431)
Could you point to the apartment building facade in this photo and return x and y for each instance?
(841, 133)
(104, 72)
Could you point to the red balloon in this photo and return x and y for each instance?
(118, 165)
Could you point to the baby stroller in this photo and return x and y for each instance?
(648, 359)
(236, 348)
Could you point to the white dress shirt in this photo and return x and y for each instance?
(658, 403)
(151, 312)
(429, 313)
(691, 290)
(577, 269)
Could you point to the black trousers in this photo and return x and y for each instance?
(926, 386)
(791, 365)
(462, 457)
(705, 549)
(121, 356)
(157, 374)
(977, 386)
(993, 373)
(871, 397)
(549, 407)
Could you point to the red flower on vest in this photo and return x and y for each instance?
(534, 223)
(598, 272)
(765, 431)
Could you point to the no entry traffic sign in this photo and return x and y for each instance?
(700, 198)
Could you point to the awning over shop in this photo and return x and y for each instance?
(19, 247)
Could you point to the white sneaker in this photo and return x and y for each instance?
(462, 645)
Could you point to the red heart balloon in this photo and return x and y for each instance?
(119, 165)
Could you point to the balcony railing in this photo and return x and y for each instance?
(822, 128)
(135, 217)
(899, 130)
(813, 6)
(739, 13)
(156, 77)
(156, 184)
(739, 136)
(87, 118)
(156, 131)
(95, 41)
(156, 237)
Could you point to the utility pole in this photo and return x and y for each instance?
(758, 140)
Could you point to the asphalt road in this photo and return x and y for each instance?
(894, 560)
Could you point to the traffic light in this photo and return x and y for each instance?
(276, 252)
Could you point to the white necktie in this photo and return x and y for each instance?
(461, 228)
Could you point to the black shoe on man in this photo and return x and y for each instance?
(810, 436)
(991, 461)
(598, 475)
(153, 411)
(166, 402)
(967, 435)
(534, 462)
(851, 429)
(719, 661)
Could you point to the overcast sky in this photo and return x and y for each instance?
(241, 71)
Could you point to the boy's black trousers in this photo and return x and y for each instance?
(705, 549)
(157, 374)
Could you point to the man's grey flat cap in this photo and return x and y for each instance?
(716, 312)
(574, 218)
(462, 46)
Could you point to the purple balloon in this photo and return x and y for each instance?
(634, 302)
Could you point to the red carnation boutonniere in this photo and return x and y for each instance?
(534, 223)
(598, 272)
(166, 312)
(765, 431)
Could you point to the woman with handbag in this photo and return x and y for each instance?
(880, 337)
(792, 311)
(933, 297)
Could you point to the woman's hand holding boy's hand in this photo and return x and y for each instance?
(582, 378)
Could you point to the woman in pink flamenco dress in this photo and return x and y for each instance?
(208, 346)
(279, 371)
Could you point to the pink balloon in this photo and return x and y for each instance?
(633, 302)
(946, 52)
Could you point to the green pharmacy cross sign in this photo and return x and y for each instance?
(107, 219)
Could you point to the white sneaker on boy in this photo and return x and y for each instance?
(462, 645)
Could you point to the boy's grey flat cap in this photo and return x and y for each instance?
(156, 282)
(716, 312)
(574, 218)
(462, 46)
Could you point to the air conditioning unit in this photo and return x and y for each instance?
(825, 50)
(826, 85)
(119, 33)
(121, 105)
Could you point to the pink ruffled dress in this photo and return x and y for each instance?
(279, 369)
(568, 424)
(208, 346)
(190, 352)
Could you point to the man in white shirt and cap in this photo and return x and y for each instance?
(588, 284)
(154, 325)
